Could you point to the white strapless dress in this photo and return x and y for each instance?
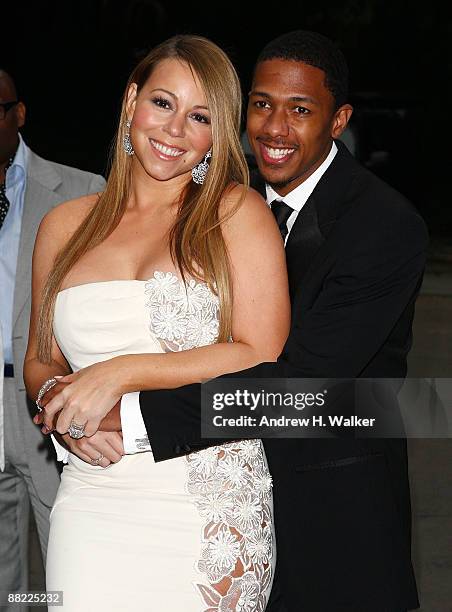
(147, 536)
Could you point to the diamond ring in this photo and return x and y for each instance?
(76, 431)
(98, 460)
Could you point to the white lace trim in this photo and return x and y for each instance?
(230, 483)
(182, 316)
(232, 490)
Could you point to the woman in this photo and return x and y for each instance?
(142, 287)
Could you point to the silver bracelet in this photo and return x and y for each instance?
(45, 387)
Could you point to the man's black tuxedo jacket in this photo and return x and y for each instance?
(355, 259)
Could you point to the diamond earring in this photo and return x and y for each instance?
(199, 172)
(126, 142)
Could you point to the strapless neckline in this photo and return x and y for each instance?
(106, 282)
(155, 274)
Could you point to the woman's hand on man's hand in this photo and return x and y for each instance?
(85, 398)
(111, 422)
(105, 444)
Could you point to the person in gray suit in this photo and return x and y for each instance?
(29, 187)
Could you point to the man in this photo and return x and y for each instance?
(355, 256)
(29, 187)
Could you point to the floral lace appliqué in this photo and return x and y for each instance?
(232, 491)
(182, 316)
(230, 484)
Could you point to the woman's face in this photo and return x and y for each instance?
(170, 122)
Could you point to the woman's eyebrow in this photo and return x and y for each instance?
(173, 95)
(170, 93)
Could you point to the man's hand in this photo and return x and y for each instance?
(104, 445)
(112, 422)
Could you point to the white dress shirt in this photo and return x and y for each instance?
(134, 434)
(16, 177)
(15, 183)
(298, 197)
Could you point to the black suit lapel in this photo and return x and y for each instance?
(304, 239)
(303, 243)
(318, 216)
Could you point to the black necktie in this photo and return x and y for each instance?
(282, 212)
(4, 202)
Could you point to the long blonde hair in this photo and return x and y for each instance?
(196, 240)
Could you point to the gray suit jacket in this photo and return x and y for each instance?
(48, 184)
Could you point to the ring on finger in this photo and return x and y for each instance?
(98, 460)
(76, 431)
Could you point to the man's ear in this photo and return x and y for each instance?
(131, 100)
(21, 112)
(341, 119)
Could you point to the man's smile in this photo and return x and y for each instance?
(275, 154)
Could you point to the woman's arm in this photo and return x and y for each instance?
(48, 242)
(260, 326)
(54, 231)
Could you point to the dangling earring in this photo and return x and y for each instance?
(199, 172)
(126, 142)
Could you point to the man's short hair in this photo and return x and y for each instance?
(315, 50)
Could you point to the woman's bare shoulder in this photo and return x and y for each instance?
(246, 207)
(62, 221)
(236, 192)
(241, 202)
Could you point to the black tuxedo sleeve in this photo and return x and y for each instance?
(173, 416)
(173, 421)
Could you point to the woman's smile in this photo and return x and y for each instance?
(164, 151)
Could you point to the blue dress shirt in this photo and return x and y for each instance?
(16, 179)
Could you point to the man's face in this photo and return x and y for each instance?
(291, 121)
(14, 119)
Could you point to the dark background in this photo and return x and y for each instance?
(71, 60)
